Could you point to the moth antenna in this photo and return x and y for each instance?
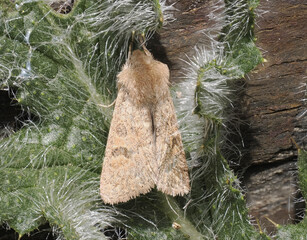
(107, 106)
(131, 44)
(295, 143)
(142, 40)
(146, 51)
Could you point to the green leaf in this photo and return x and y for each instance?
(63, 68)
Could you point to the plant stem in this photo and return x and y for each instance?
(175, 213)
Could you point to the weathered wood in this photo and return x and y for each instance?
(271, 106)
(273, 96)
(272, 193)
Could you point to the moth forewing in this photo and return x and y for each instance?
(173, 178)
(127, 169)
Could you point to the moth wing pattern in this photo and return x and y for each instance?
(129, 164)
(173, 177)
(144, 147)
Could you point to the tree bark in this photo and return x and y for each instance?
(273, 106)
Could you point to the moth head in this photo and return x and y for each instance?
(139, 58)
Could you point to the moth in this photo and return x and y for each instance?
(144, 147)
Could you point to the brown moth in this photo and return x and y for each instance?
(144, 147)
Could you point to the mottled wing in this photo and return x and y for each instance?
(173, 177)
(129, 166)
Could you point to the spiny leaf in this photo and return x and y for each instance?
(63, 69)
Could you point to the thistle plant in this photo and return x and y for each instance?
(62, 69)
